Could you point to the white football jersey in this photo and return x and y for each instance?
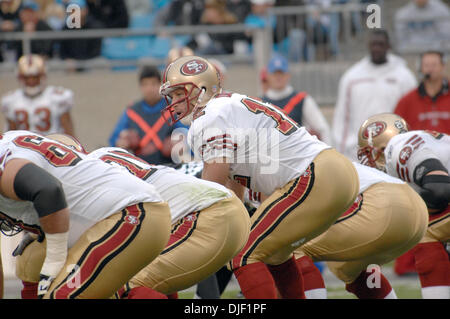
(406, 151)
(266, 149)
(94, 190)
(184, 193)
(369, 176)
(40, 114)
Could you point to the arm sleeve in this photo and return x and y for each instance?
(35, 184)
(121, 125)
(314, 119)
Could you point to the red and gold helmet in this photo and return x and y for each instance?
(374, 135)
(199, 79)
(67, 140)
(31, 70)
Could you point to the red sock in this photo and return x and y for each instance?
(432, 264)
(312, 278)
(145, 293)
(288, 279)
(173, 296)
(405, 263)
(29, 290)
(256, 282)
(360, 288)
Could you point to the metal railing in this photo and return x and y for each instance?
(258, 41)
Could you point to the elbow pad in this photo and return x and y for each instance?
(34, 184)
(425, 167)
(436, 191)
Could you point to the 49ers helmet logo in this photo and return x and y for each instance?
(194, 67)
(376, 128)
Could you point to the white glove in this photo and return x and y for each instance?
(54, 261)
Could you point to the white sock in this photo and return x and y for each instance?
(391, 295)
(436, 292)
(319, 293)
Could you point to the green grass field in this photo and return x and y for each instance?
(402, 291)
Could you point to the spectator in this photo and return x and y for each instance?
(53, 13)
(240, 8)
(142, 128)
(112, 13)
(9, 15)
(180, 12)
(31, 22)
(216, 13)
(82, 49)
(9, 21)
(258, 17)
(373, 85)
(422, 24)
(300, 106)
(428, 106)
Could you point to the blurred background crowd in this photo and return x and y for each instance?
(313, 30)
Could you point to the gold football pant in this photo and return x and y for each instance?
(438, 227)
(301, 210)
(201, 243)
(106, 256)
(387, 220)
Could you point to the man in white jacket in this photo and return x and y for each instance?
(371, 86)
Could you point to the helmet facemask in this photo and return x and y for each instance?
(32, 90)
(193, 97)
(372, 156)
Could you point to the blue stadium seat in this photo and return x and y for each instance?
(126, 47)
(144, 21)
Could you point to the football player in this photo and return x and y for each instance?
(92, 218)
(37, 107)
(387, 219)
(209, 226)
(246, 143)
(422, 159)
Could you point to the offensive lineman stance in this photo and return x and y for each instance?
(210, 226)
(422, 159)
(91, 217)
(243, 141)
(387, 219)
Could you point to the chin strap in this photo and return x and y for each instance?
(187, 120)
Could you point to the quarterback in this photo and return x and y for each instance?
(37, 107)
(92, 218)
(422, 159)
(244, 142)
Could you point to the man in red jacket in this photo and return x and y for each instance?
(425, 108)
(428, 106)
